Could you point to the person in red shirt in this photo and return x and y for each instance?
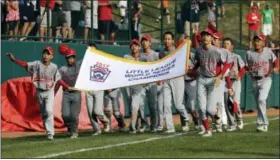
(105, 20)
(44, 24)
(253, 20)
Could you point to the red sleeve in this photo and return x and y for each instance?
(225, 68)
(276, 63)
(192, 73)
(195, 41)
(63, 84)
(242, 72)
(229, 85)
(20, 62)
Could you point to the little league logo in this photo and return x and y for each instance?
(99, 74)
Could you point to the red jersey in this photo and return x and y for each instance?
(255, 18)
(104, 12)
(51, 3)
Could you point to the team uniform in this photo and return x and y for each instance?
(238, 67)
(112, 100)
(210, 62)
(151, 91)
(191, 90)
(259, 67)
(137, 95)
(71, 101)
(174, 89)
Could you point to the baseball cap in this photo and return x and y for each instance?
(254, 8)
(207, 31)
(49, 49)
(70, 52)
(63, 49)
(134, 41)
(260, 36)
(218, 35)
(147, 37)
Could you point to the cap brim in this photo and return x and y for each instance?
(69, 55)
(205, 32)
(258, 37)
(50, 52)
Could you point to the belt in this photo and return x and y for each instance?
(189, 80)
(258, 77)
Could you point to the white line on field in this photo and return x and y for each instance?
(120, 144)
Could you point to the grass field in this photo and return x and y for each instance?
(240, 144)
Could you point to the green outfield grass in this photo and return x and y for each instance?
(240, 144)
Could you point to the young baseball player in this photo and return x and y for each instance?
(259, 63)
(173, 89)
(149, 55)
(71, 100)
(213, 66)
(94, 100)
(44, 76)
(137, 92)
(237, 71)
(112, 100)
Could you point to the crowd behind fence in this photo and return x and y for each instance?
(117, 22)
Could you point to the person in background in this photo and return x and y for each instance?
(88, 17)
(57, 19)
(211, 14)
(106, 25)
(66, 27)
(12, 17)
(46, 6)
(75, 15)
(165, 7)
(123, 7)
(267, 20)
(253, 20)
(136, 17)
(29, 17)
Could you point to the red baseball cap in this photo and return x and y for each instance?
(63, 49)
(70, 52)
(260, 36)
(207, 31)
(134, 41)
(147, 37)
(49, 49)
(218, 35)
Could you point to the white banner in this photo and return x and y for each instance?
(103, 71)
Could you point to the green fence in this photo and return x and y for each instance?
(29, 51)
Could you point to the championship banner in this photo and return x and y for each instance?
(103, 71)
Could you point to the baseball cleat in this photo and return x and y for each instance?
(185, 128)
(197, 127)
(240, 125)
(97, 133)
(262, 129)
(142, 129)
(123, 129)
(74, 135)
(231, 129)
(160, 128)
(50, 137)
(207, 134)
(170, 131)
(202, 132)
(106, 128)
(133, 132)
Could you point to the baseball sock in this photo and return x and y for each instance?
(206, 124)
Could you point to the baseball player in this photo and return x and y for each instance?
(149, 55)
(44, 76)
(213, 66)
(221, 105)
(71, 101)
(112, 100)
(237, 71)
(95, 101)
(191, 88)
(173, 89)
(137, 92)
(259, 63)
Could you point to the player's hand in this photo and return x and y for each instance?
(276, 70)
(109, 90)
(237, 77)
(230, 92)
(70, 88)
(159, 83)
(218, 80)
(11, 56)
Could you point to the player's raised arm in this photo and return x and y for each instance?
(17, 61)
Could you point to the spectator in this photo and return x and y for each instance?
(3, 16)
(211, 14)
(267, 20)
(45, 6)
(29, 17)
(123, 7)
(191, 16)
(88, 17)
(165, 6)
(58, 19)
(12, 17)
(106, 25)
(253, 19)
(136, 17)
(76, 15)
(66, 27)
